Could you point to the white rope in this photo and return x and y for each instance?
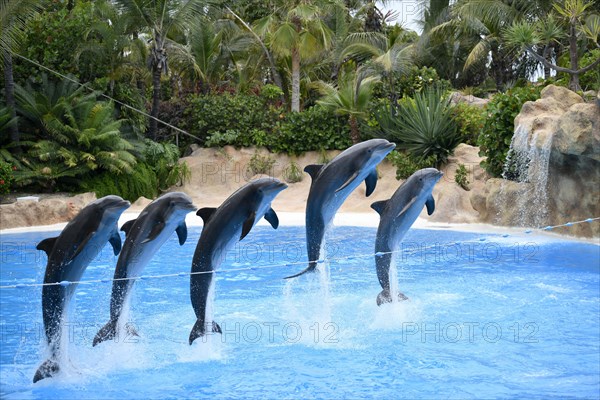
(288, 264)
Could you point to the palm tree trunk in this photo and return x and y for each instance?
(354, 131)
(295, 80)
(153, 129)
(574, 77)
(9, 84)
(546, 54)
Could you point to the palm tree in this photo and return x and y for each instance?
(297, 31)
(13, 16)
(478, 25)
(579, 22)
(159, 19)
(390, 56)
(350, 97)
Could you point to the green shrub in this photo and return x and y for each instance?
(271, 93)
(6, 177)
(293, 174)
(141, 182)
(469, 120)
(460, 177)
(313, 129)
(423, 127)
(163, 158)
(419, 80)
(240, 120)
(406, 164)
(494, 140)
(261, 164)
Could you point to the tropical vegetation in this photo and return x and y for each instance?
(98, 90)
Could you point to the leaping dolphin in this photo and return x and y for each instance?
(396, 217)
(223, 227)
(69, 254)
(144, 236)
(332, 184)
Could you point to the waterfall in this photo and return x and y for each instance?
(527, 163)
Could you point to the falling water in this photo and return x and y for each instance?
(527, 162)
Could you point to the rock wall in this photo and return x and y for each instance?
(573, 186)
(44, 212)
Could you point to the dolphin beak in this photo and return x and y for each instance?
(190, 207)
(278, 187)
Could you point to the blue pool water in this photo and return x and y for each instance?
(488, 316)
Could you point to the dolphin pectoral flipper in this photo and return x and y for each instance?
(127, 226)
(107, 332)
(115, 242)
(430, 204)
(313, 169)
(182, 233)
(349, 181)
(48, 369)
(248, 224)
(271, 216)
(156, 230)
(379, 206)
(371, 182)
(47, 245)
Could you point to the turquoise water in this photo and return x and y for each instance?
(488, 316)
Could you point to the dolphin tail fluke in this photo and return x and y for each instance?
(386, 297)
(311, 268)
(199, 330)
(48, 369)
(108, 332)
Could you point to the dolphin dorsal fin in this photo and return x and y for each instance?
(313, 170)
(430, 203)
(371, 182)
(127, 226)
(47, 245)
(115, 242)
(379, 206)
(271, 216)
(206, 213)
(248, 224)
(182, 233)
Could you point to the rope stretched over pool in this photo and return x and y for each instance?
(288, 264)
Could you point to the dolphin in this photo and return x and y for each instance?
(396, 217)
(223, 227)
(144, 236)
(69, 254)
(332, 184)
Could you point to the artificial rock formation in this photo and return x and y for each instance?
(570, 130)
